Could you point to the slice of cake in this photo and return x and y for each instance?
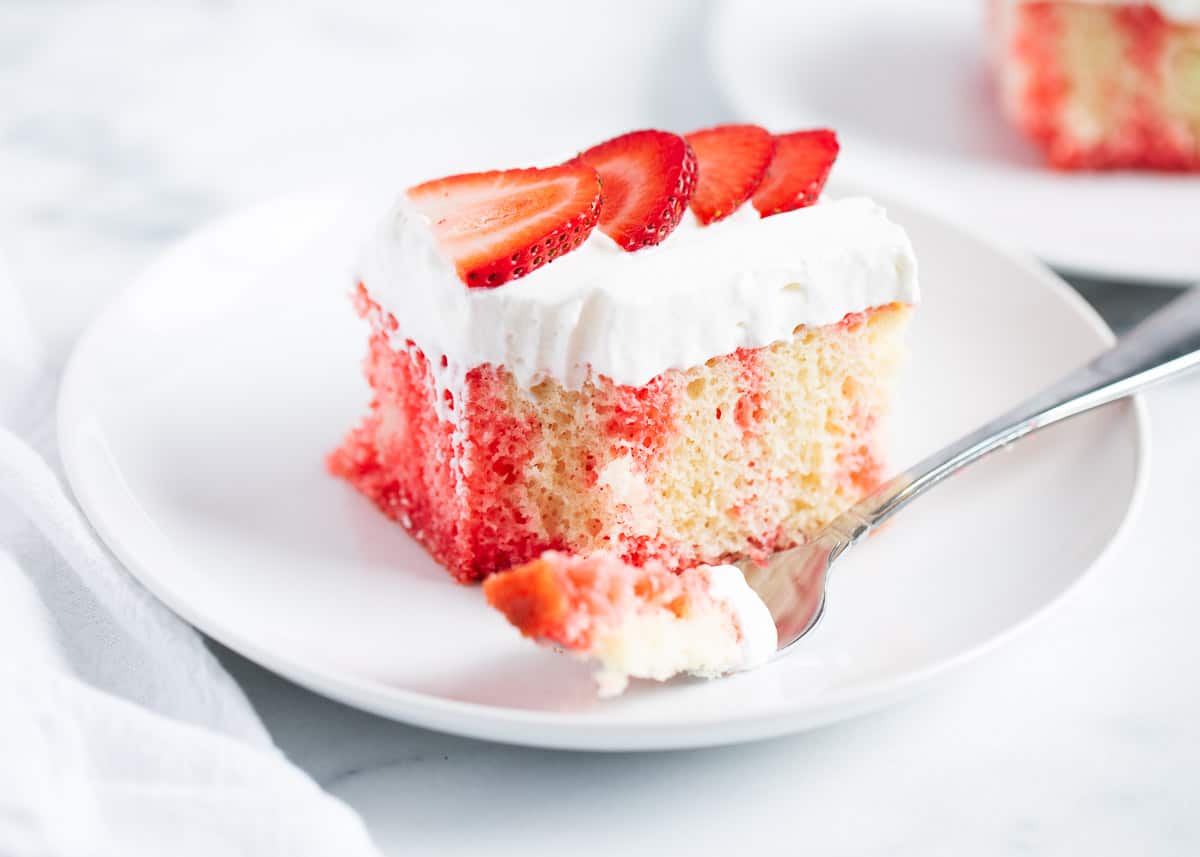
(671, 349)
(1102, 85)
(639, 622)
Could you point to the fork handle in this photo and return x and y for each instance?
(1163, 345)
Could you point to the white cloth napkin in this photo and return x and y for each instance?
(120, 733)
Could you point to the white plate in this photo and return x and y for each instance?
(197, 410)
(907, 88)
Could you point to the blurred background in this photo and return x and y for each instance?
(123, 125)
(126, 125)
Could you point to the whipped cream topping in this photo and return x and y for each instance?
(759, 636)
(743, 282)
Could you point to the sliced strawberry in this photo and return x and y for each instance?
(732, 160)
(648, 178)
(798, 171)
(500, 225)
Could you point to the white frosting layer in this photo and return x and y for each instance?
(760, 639)
(744, 282)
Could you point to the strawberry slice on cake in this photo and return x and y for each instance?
(648, 178)
(732, 162)
(501, 225)
(798, 170)
(637, 621)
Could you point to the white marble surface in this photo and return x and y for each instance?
(122, 126)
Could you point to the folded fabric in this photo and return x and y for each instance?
(18, 354)
(120, 733)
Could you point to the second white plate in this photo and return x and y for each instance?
(907, 87)
(196, 413)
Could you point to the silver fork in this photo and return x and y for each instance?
(792, 583)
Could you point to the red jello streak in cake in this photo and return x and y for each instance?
(400, 456)
(1037, 34)
(860, 465)
(748, 412)
(1145, 30)
(500, 534)
(639, 419)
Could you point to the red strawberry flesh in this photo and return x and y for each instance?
(798, 171)
(500, 225)
(648, 178)
(732, 160)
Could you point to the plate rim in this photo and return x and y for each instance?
(718, 61)
(555, 730)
